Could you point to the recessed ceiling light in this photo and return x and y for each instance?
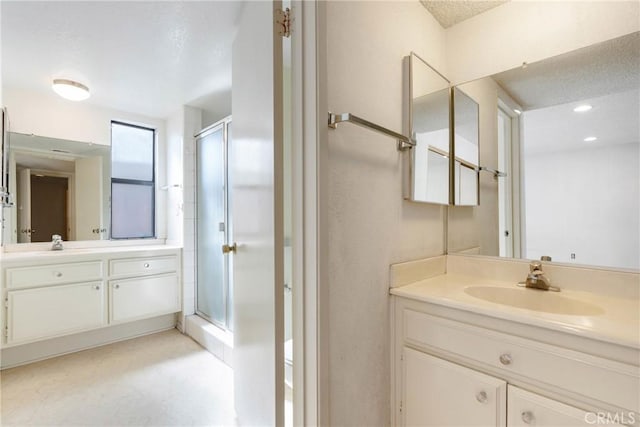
(582, 108)
(70, 90)
(518, 112)
(590, 139)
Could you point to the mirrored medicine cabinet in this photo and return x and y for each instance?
(443, 121)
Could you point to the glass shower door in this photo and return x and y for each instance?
(211, 219)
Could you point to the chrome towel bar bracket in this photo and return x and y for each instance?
(496, 173)
(404, 142)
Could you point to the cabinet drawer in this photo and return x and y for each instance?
(26, 277)
(605, 380)
(143, 266)
(54, 310)
(527, 409)
(143, 297)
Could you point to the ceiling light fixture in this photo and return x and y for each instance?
(70, 90)
(582, 108)
(590, 139)
(518, 112)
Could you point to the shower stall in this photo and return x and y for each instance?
(214, 228)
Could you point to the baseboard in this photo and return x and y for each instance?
(41, 350)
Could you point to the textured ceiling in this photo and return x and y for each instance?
(603, 68)
(450, 12)
(143, 57)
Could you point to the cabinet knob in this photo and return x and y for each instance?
(116, 286)
(527, 417)
(481, 397)
(97, 287)
(506, 359)
(58, 274)
(146, 265)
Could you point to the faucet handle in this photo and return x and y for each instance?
(535, 266)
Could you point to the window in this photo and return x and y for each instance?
(132, 181)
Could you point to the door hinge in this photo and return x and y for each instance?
(283, 22)
(6, 332)
(401, 406)
(6, 302)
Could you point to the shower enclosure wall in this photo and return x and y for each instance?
(214, 275)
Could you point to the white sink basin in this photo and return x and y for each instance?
(533, 299)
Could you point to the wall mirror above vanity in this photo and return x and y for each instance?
(566, 130)
(57, 186)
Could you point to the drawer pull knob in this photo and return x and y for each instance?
(116, 286)
(97, 287)
(527, 417)
(58, 274)
(481, 397)
(146, 265)
(505, 359)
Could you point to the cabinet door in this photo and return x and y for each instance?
(55, 310)
(441, 393)
(144, 297)
(529, 409)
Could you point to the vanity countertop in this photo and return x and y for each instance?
(44, 255)
(617, 323)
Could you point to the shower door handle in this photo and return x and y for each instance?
(226, 248)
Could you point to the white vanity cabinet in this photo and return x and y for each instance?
(65, 293)
(449, 371)
(141, 290)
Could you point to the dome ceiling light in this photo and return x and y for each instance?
(70, 89)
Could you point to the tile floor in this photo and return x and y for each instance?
(164, 379)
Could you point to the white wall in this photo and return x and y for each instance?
(369, 225)
(584, 202)
(528, 31)
(175, 178)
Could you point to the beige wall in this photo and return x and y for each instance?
(369, 224)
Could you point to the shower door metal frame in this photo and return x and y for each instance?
(224, 124)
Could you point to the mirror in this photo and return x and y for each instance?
(566, 130)
(429, 125)
(58, 187)
(466, 149)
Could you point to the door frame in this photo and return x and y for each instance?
(310, 311)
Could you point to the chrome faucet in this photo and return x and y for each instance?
(537, 280)
(56, 242)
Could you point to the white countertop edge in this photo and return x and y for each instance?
(82, 252)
